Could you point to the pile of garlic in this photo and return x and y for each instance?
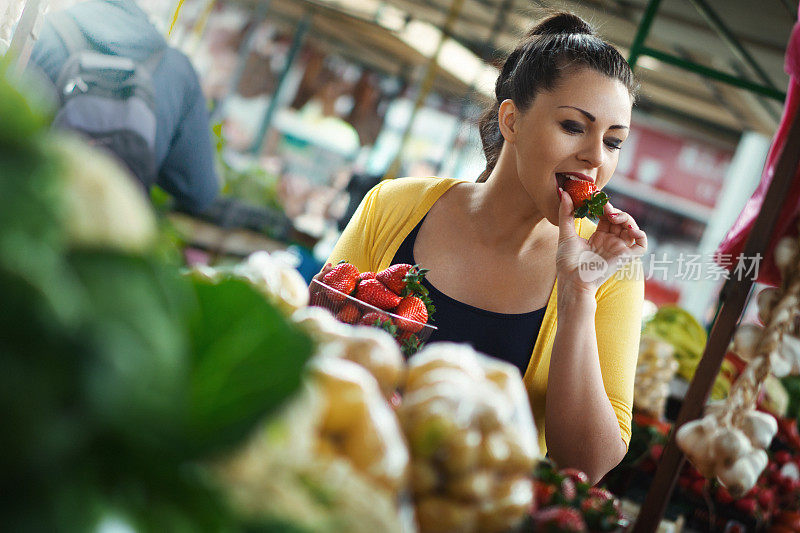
(729, 442)
(655, 369)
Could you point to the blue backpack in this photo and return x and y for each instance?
(109, 99)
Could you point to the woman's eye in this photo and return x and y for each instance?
(614, 144)
(571, 126)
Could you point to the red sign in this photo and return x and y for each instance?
(682, 166)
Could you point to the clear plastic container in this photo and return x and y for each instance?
(352, 311)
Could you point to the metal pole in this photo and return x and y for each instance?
(241, 60)
(174, 18)
(25, 34)
(425, 86)
(202, 21)
(297, 42)
(642, 32)
(733, 298)
(730, 39)
(714, 74)
(497, 27)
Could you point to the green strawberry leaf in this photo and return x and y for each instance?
(411, 345)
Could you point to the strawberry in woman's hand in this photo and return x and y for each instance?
(343, 278)
(586, 199)
(374, 292)
(411, 308)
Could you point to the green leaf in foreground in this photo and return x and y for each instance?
(247, 359)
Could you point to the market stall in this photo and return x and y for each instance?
(171, 370)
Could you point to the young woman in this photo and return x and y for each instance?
(505, 252)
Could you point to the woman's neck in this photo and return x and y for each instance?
(506, 215)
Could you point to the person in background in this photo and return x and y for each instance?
(505, 252)
(182, 154)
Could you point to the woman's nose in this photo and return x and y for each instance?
(592, 154)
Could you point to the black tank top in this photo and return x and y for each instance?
(509, 337)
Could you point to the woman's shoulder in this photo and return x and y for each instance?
(414, 187)
(413, 193)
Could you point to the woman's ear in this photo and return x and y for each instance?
(508, 120)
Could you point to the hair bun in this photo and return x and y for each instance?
(562, 23)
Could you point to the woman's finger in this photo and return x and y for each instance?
(615, 216)
(635, 238)
(321, 274)
(327, 268)
(566, 222)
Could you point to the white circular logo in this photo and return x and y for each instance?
(591, 266)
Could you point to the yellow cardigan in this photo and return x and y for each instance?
(393, 208)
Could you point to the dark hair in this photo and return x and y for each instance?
(537, 64)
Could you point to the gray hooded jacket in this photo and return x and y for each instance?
(184, 155)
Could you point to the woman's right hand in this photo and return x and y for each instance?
(314, 288)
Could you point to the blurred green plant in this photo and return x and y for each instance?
(121, 378)
(248, 181)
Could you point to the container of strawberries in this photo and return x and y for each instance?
(393, 299)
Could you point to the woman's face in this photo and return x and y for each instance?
(576, 129)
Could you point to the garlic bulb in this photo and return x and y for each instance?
(791, 471)
(729, 445)
(746, 339)
(655, 368)
(696, 440)
(766, 301)
(742, 476)
(759, 427)
(790, 350)
(779, 365)
(785, 252)
(715, 408)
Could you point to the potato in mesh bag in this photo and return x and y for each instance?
(358, 424)
(372, 348)
(472, 440)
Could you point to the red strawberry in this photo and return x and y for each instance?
(369, 319)
(365, 275)
(723, 496)
(698, 486)
(559, 519)
(349, 313)
(575, 475)
(782, 457)
(657, 451)
(343, 279)
(568, 491)
(414, 309)
(586, 199)
(394, 277)
(592, 504)
(373, 292)
(544, 493)
(766, 498)
(599, 492)
(747, 505)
